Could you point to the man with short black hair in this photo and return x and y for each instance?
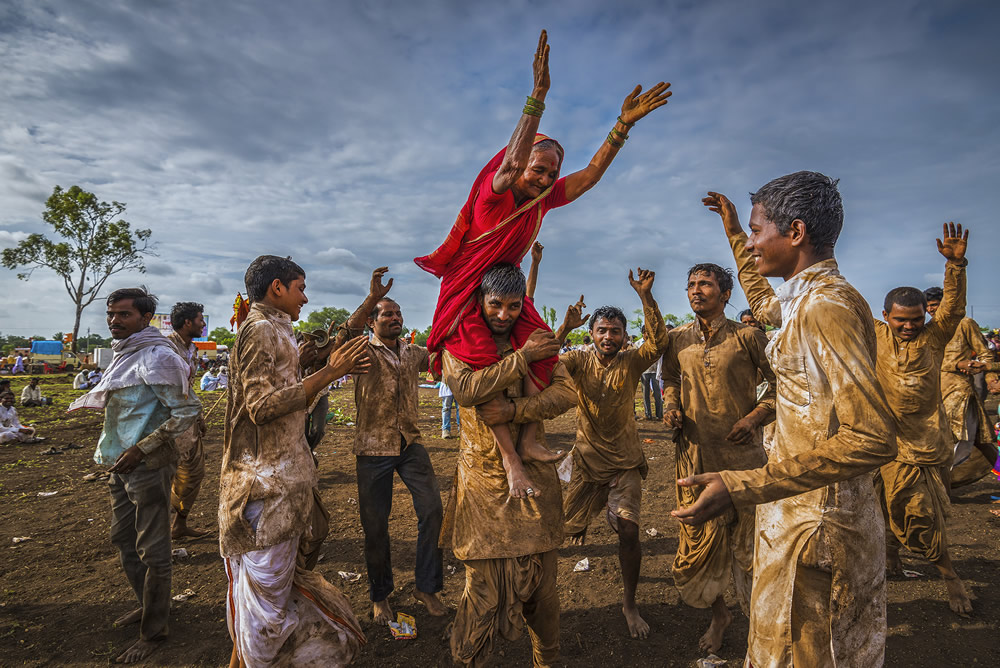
(609, 464)
(746, 317)
(188, 323)
(818, 595)
(508, 544)
(710, 373)
(147, 405)
(31, 394)
(271, 521)
(386, 443)
(914, 487)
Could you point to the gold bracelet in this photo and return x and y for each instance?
(614, 142)
(621, 135)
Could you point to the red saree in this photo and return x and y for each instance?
(490, 228)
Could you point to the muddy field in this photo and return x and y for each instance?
(64, 586)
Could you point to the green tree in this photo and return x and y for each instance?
(677, 321)
(549, 315)
(96, 244)
(222, 336)
(322, 319)
(421, 338)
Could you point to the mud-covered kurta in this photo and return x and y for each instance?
(607, 441)
(964, 407)
(190, 450)
(265, 457)
(386, 398)
(711, 377)
(481, 518)
(820, 543)
(915, 486)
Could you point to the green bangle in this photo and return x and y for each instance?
(619, 134)
(628, 125)
(536, 103)
(532, 111)
(614, 142)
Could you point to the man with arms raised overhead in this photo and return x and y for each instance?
(915, 486)
(818, 594)
(387, 442)
(966, 355)
(270, 519)
(608, 462)
(710, 374)
(188, 323)
(147, 405)
(509, 544)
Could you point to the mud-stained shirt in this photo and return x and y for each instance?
(386, 398)
(606, 437)
(910, 374)
(818, 507)
(481, 518)
(712, 379)
(967, 343)
(265, 457)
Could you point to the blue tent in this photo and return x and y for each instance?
(46, 347)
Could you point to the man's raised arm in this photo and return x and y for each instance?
(759, 293)
(655, 342)
(952, 309)
(574, 318)
(355, 325)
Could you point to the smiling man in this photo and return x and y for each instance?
(386, 443)
(915, 486)
(609, 464)
(710, 374)
(147, 406)
(270, 518)
(818, 594)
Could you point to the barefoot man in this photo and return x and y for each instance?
(710, 375)
(966, 355)
(278, 611)
(818, 594)
(187, 321)
(915, 486)
(509, 544)
(387, 442)
(147, 405)
(608, 462)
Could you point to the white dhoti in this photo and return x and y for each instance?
(15, 435)
(280, 615)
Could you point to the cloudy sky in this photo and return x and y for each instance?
(347, 135)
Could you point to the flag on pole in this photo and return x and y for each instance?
(241, 309)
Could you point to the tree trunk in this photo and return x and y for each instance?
(74, 344)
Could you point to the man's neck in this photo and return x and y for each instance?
(186, 338)
(266, 301)
(391, 344)
(808, 259)
(705, 320)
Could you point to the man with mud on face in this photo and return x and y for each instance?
(387, 442)
(608, 462)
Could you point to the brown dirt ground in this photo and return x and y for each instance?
(62, 589)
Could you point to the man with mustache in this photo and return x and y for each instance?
(819, 593)
(710, 374)
(608, 462)
(387, 441)
(914, 487)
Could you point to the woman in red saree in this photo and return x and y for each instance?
(499, 222)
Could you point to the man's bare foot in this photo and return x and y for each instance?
(381, 612)
(577, 538)
(431, 601)
(893, 565)
(712, 640)
(637, 626)
(139, 651)
(180, 529)
(128, 618)
(534, 451)
(959, 601)
(517, 479)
